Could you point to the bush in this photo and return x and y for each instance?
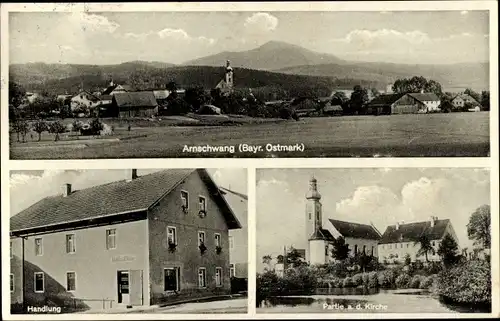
(427, 281)
(403, 281)
(372, 280)
(337, 269)
(357, 279)
(382, 280)
(347, 282)
(57, 128)
(467, 283)
(415, 282)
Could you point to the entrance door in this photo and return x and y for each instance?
(171, 279)
(123, 287)
(136, 297)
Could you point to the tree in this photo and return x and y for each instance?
(374, 92)
(39, 127)
(56, 128)
(479, 226)
(359, 98)
(339, 98)
(77, 126)
(425, 246)
(340, 250)
(485, 100)
(171, 86)
(294, 258)
(266, 259)
(473, 94)
(417, 84)
(280, 259)
(16, 94)
(447, 250)
(21, 127)
(196, 97)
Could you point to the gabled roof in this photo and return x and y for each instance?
(90, 96)
(466, 98)
(355, 230)
(135, 99)
(385, 100)
(117, 198)
(412, 231)
(321, 234)
(422, 97)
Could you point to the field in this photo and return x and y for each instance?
(434, 135)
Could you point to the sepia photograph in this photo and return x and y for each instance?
(374, 240)
(128, 241)
(250, 84)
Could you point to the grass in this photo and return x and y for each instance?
(430, 135)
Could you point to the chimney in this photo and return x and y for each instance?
(433, 220)
(397, 226)
(66, 189)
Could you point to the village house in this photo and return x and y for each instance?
(360, 238)
(401, 239)
(161, 237)
(84, 99)
(238, 238)
(134, 104)
(410, 103)
(462, 100)
(116, 88)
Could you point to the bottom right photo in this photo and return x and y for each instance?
(373, 240)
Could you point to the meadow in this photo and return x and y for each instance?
(416, 135)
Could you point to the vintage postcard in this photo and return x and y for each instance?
(374, 240)
(142, 241)
(250, 160)
(100, 83)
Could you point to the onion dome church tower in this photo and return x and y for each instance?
(226, 85)
(317, 237)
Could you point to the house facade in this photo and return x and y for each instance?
(84, 99)
(134, 104)
(238, 238)
(461, 100)
(414, 103)
(150, 239)
(360, 238)
(401, 239)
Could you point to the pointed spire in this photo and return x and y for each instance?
(313, 189)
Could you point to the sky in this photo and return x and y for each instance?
(431, 37)
(28, 187)
(382, 196)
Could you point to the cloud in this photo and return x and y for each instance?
(93, 22)
(261, 22)
(384, 37)
(169, 34)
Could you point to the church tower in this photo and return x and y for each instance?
(315, 252)
(229, 76)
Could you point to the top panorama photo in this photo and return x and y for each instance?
(94, 85)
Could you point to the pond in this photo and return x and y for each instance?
(360, 300)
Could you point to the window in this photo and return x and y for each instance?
(172, 235)
(364, 249)
(201, 238)
(185, 199)
(111, 239)
(373, 250)
(203, 203)
(231, 242)
(11, 254)
(12, 284)
(217, 239)
(407, 245)
(38, 247)
(317, 216)
(171, 277)
(232, 271)
(356, 249)
(70, 243)
(390, 246)
(218, 276)
(70, 281)
(202, 277)
(326, 250)
(310, 215)
(433, 243)
(39, 282)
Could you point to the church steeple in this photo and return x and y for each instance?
(315, 252)
(229, 75)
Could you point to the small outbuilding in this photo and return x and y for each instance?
(134, 104)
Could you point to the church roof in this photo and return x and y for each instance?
(321, 234)
(355, 230)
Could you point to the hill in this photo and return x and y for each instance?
(271, 56)
(453, 76)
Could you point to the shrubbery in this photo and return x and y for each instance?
(357, 279)
(467, 283)
(415, 282)
(403, 281)
(427, 281)
(347, 282)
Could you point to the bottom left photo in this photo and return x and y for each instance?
(128, 241)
